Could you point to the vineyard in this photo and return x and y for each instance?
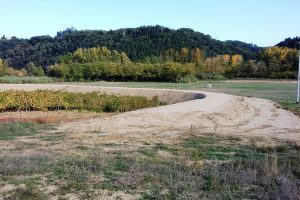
(44, 100)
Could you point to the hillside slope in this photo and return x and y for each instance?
(136, 42)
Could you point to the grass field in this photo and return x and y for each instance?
(198, 167)
(11, 130)
(281, 92)
(27, 79)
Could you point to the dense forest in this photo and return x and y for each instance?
(137, 43)
(152, 53)
(290, 43)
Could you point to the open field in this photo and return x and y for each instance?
(59, 165)
(203, 145)
(199, 101)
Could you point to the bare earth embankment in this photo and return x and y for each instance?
(205, 112)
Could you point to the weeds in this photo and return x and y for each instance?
(199, 168)
(54, 137)
(29, 192)
(239, 171)
(148, 152)
(10, 130)
(24, 164)
(28, 79)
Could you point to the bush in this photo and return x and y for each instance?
(210, 76)
(187, 79)
(33, 70)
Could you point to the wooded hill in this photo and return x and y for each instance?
(137, 43)
(152, 53)
(290, 43)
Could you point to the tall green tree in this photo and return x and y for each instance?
(33, 70)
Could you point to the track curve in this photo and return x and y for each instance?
(208, 112)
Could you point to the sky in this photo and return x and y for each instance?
(261, 22)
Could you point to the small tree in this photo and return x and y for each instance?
(197, 56)
(184, 55)
(3, 67)
(33, 70)
(124, 58)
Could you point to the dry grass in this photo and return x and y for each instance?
(50, 117)
(10, 130)
(208, 167)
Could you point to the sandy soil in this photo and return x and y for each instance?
(50, 117)
(189, 112)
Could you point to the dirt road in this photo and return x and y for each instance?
(189, 112)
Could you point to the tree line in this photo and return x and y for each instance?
(103, 64)
(100, 63)
(137, 43)
(173, 66)
(292, 43)
(152, 53)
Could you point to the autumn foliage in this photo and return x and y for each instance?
(43, 100)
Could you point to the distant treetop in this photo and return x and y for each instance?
(290, 43)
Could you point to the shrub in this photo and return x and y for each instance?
(187, 79)
(210, 76)
(57, 100)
